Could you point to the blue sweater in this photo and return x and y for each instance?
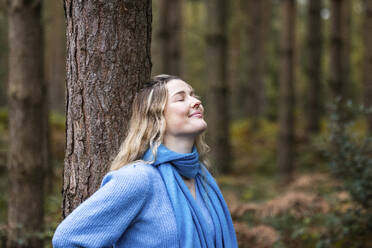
(131, 209)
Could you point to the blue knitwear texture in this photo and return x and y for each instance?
(132, 208)
(191, 223)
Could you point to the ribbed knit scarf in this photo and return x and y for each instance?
(191, 224)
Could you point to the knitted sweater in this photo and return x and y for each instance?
(131, 209)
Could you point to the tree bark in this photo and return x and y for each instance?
(27, 155)
(108, 58)
(170, 36)
(255, 61)
(286, 142)
(368, 59)
(218, 115)
(314, 67)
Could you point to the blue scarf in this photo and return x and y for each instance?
(191, 225)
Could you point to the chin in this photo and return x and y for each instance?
(202, 128)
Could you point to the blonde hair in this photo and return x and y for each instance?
(147, 124)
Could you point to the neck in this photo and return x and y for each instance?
(179, 144)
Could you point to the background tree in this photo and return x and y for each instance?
(55, 54)
(27, 154)
(255, 60)
(286, 149)
(368, 58)
(108, 57)
(169, 36)
(314, 66)
(217, 101)
(339, 48)
(3, 53)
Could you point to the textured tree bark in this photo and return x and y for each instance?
(286, 147)
(368, 59)
(340, 58)
(314, 67)
(108, 58)
(217, 102)
(27, 153)
(170, 36)
(255, 61)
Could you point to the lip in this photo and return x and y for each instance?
(196, 114)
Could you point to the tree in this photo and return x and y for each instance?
(55, 48)
(255, 65)
(170, 36)
(108, 57)
(313, 67)
(27, 155)
(368, 59)
(286, 149)
(3, 53)
(218, 115)
(339, 48)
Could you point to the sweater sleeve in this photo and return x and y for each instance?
(104, 217)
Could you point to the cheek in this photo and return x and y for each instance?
(176, 117)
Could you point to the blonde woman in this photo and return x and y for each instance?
(159, 192)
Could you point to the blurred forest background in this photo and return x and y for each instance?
(287, 87)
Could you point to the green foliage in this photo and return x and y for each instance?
(3, 119)
(254, 150)
(349, 153)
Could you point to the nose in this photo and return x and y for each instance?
(196, 103)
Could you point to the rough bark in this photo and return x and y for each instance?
(170, 36)
(313, 69)
(27, 153)
(108, 57)
(218, 110)
(368, 59)
(340, 58)
(286, 147)
(255, 61)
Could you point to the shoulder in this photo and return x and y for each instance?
(137, 176)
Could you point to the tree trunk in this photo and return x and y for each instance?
(368, 59)
(108, 57)
(340, 58)
(236, 108)
(55, 54)
(27, 125)
(218, 115)
(255, 61)
(286, 142)
(3, 54)
(314, 67)
(170, 36)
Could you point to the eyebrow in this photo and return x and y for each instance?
(182, 92)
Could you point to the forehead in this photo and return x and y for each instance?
(176, 85)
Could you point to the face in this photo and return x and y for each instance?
(184, 113)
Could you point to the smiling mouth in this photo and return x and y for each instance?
(197, 114)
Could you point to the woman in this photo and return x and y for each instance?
(158, 193)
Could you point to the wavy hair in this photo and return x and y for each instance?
(147, 124)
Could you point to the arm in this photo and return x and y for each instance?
(104, 217)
